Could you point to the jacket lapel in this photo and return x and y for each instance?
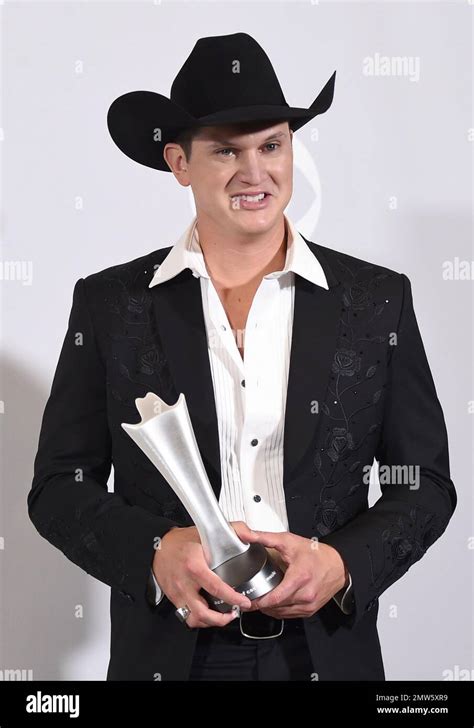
(315, 329)
(179, 315)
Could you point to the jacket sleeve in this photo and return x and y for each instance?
(380, 544)
(69, 503)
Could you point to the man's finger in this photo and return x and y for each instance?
(280, 595)
(201, 612)
(277, 540)
(218, 588)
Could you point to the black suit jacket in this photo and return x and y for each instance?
(359, 387)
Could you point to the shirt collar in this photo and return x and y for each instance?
(187, 253)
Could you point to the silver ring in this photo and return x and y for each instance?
(183, 613)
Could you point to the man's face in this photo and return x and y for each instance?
(228, 161)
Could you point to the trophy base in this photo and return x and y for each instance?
(252, 573)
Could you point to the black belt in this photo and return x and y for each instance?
(254, 625)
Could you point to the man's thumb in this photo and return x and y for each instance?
(243, 531)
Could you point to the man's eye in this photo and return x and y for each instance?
(229, 149)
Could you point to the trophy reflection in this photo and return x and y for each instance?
(165, 434)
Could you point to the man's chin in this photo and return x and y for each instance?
(253, 222)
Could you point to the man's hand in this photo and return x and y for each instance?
(181, 571)
(314, 573)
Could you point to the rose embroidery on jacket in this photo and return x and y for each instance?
(329, 516)
(351, 375)
(404, 543)
(346, 363)
(340, 442)
(138, 358)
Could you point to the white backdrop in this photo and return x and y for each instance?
(384, 175)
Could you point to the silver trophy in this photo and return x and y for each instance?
(166, 436)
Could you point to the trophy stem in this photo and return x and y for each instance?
(167, 438)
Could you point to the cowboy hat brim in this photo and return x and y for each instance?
(141, 123)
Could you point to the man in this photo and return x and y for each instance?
(300, 364)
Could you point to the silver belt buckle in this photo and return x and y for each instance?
(244, 633)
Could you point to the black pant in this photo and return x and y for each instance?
(222, 653)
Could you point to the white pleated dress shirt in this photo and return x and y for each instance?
(250, 393)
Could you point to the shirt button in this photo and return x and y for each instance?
(257, 498)
(223, 327)
(243, 382)
(254, 442)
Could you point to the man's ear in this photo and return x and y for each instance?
(175, 159)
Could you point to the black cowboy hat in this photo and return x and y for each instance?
(226, 79)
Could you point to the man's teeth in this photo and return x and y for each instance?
(256, 198)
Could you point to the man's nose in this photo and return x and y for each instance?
(252, 167)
